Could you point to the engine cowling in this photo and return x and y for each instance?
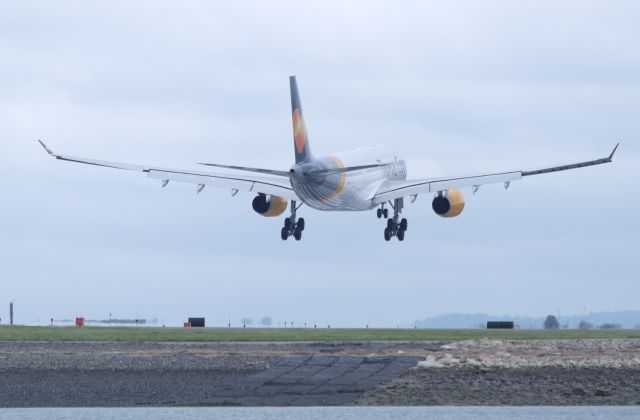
(450, 203)
(269, 207)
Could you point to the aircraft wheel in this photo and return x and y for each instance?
(284, 233)
(387, 234)
(385, 213)
(390, 224)
(379, 213)
(300, 224)
(287, 223)
(297, 234)
(400, 235)
(403, 224)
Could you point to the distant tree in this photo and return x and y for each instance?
(551, 323)
(610, 326)
(266, 321)
(584, 325)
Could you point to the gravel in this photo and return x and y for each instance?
(125, 356)
(519, 372)
(500, 386)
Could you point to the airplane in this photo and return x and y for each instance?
(358, 180)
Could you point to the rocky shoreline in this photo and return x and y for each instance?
(541, 386)
(520, 372)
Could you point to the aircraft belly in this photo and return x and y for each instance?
(326, 199)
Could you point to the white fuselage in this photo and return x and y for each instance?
(348, 191)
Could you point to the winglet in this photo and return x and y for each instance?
(612, 152)
(45, 147)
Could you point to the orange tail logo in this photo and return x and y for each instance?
(299, 131)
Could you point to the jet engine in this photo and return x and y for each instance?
(448, 203)
(269, 206)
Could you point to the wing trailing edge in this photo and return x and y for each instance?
(396, 189)
(256, 184)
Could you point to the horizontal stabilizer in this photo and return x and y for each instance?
(247, 169)
(343, 170)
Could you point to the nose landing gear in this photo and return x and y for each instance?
(395, 226)
(292, 227)
(382, 212)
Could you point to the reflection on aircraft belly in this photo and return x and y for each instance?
(326, 198)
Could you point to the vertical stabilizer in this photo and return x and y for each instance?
(300, 139)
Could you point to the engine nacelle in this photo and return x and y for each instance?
(269, 207)
(448, 204)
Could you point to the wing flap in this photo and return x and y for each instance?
(257, 185)
(391, 190)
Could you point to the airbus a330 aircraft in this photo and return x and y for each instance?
(358, 180)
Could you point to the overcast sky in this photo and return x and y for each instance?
(456, 88)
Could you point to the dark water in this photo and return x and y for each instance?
(324, 413)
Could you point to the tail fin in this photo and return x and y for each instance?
(300, 139)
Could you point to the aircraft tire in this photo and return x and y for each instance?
(403, 224)
(284, 233)
(385, 213)
(379, 213)
(387, 234)
(390, 224)
(287, 223)
(400, 235)
(300, 224)
(297, 234)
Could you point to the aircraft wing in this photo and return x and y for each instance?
(391, 190)
(278, 186)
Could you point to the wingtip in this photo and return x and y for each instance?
(44, 146)
(614, 151)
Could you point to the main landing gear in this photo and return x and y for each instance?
(395, 226)
(292, 227)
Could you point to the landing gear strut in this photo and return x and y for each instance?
(395, 226)
(292, 227)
